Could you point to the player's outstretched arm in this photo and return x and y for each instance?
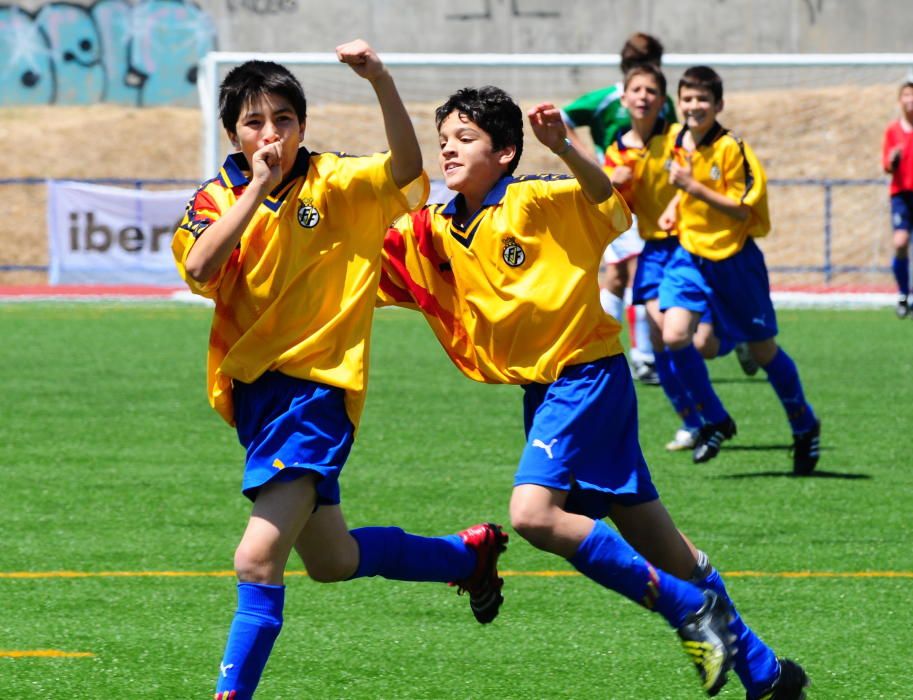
(549, 128)
(212, 249)
(405, 154)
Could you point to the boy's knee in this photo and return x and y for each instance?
(707, 346)
(532, 524)
(763, 351)
(675, 339)
(254, 565)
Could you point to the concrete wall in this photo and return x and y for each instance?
(593, 26)
(145, 52)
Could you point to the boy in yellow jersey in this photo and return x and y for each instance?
(604, 112)
(721, 207)
(506, 276)
(287, 243)
(636, 161)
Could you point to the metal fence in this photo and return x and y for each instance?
(851, 240)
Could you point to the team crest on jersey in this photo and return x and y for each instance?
(667, 166)
(308, 216)
(513, 254)
(715, 172)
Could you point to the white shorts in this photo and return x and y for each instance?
(628, 245)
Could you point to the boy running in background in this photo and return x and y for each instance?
(721, 207)
(897, 161)
(636, 161)
(506, 276)
(287, 243)
(604, 113)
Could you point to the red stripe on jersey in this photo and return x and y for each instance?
(395, 247)
(203, 201)
(424, 236)
(389, 283)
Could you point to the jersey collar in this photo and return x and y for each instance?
(494, 196)
(712, 135)
(659, 127)
(236, 170)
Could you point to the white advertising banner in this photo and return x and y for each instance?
(112, 235)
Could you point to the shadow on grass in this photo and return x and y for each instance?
(727, 447)
(738, 380)
(817, 474)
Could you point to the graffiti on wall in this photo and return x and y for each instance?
(135, 53)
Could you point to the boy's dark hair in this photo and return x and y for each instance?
(702, 78)
(495, 113)
(255, 79)
(641, 48)
(647, 69)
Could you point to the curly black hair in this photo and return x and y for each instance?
(494, 111)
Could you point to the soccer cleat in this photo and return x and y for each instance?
(684, 440)
(645, 373)
(484, 585)
(902, 309)
(806, 450)
(746, 361)
(711, 437)
(709, 643)
(790, 684)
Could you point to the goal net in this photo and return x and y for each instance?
(815, 121)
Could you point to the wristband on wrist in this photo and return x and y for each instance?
(563, 148)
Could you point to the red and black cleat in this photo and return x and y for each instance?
(484, 585)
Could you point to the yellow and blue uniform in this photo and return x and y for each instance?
(719, 266)
(647, 193)
(512, 297)
(294, 302)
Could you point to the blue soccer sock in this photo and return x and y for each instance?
(257, 622)
(784, 378)
(675, 392)
(392, 553)
(691, 371)
(756, 664)
(606, 558)
(901, 269)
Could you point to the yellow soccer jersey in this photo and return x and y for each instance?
(513, 296)
(649, 190)
(297, 294)
(725, 164)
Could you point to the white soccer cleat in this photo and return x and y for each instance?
(684, 440)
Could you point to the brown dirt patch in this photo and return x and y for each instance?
(800, 133)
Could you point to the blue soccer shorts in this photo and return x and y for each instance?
(902, 211)
(581, 433)
(651, 265)
(292, 427)
(735, 290)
